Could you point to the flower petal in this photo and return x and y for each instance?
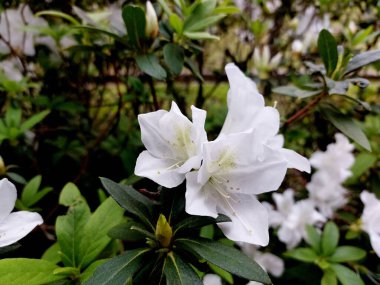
(17, 225)
(295, 160)
(249, 219)
(375, 241)
(198, 199)
(161, 171)
(8, 196)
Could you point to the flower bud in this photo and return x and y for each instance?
(163, 231)
(3, 169)
(151, 28)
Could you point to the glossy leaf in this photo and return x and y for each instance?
(150, 64)
(198, 222)
(178, 272)
(328, 50)
(347, 253)
(330, 238)
(174, 57)
(134, 19)
(124, 232)
(225, 257)
(119, 269)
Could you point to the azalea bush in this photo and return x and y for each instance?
(189, 142)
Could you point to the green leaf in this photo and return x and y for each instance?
(361, 60)
(328, 50)
(200, 36)
(346, 125)
(59, 15)
(330, 238)
(70, 228)
(100, 31)
(347, 253)
(134, 19)
(304, 254)
(203, 23)
(150, 64)
(201, 10)
(222, 273)
(227, 10)
(91, 269)
(192, 65)
(119, 269)
(291, 90)
(329, 278)
(16, 271)
(177, 272)
(34, 120)
(176, 23)
(132, 201)
(363, 162)
(13, 117)
(313, 238)
(346, 276)
(95, 238)
(225, 257)
(16, 177)
(198, 222)
(174, 57)
(124, 232)
(52, 253)
(30, 190)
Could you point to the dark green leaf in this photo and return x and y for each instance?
(119, 269)
(134, 19)
(313, 238)
(199, 12)
(174, 57)
(150, 64)
(346, 276)
(225, 257)
(361, 60)
(177, 272)
(16, 271)
(204, 23)
(347, 253)
(198, 222)
(124, 232)
(132, 201)
(193, 67)
(302, 254)
(16, 177)
(328, 50)
(347, 125)
(330, 238)
(293, 91)
(329, 278)
(34, 120)
(6, 249)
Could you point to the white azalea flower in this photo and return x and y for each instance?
(14, 226)
(245, 160)
(264, 63)
(12, 29)
(212, 279)
(293, 217)
(371, 219)
(12, 69)
(268, 261)
(173, 145)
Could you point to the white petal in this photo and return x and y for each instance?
(375, 241)
(17, 225)
(296, 160)
(8, 196)
(198, 133)
(198, 197)
(161, 171)
(271, 263)
(249, 220)
(212, 279)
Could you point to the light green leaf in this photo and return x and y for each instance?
(225, 257)
(52, 253)
(328, 50)
(227, 10)
(119, 269)
(174, 57)
(16, 271)
(70, 195)
(176, 23)
(203, 23)
(346, 276)
(330, 238)
(200, 36)
(150, 64)
(177, 272)
(313, 238)
(363, 162)
(34, 120)
(361, 60)
(329, 278)
(304, 254)
(13, 117)
(222, 273)
(347, 253)
(59, 15)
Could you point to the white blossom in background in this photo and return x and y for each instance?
(370, 219)
(13, 23)
(268, 261)
(212, 279)
(14, 226)
(11, 68)
(246, 159)
(333, 168)
(173, 145)
(264, 63)
(292, 217)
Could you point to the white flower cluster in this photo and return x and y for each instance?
(14, 226)
(225, 175)
(326, 194)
